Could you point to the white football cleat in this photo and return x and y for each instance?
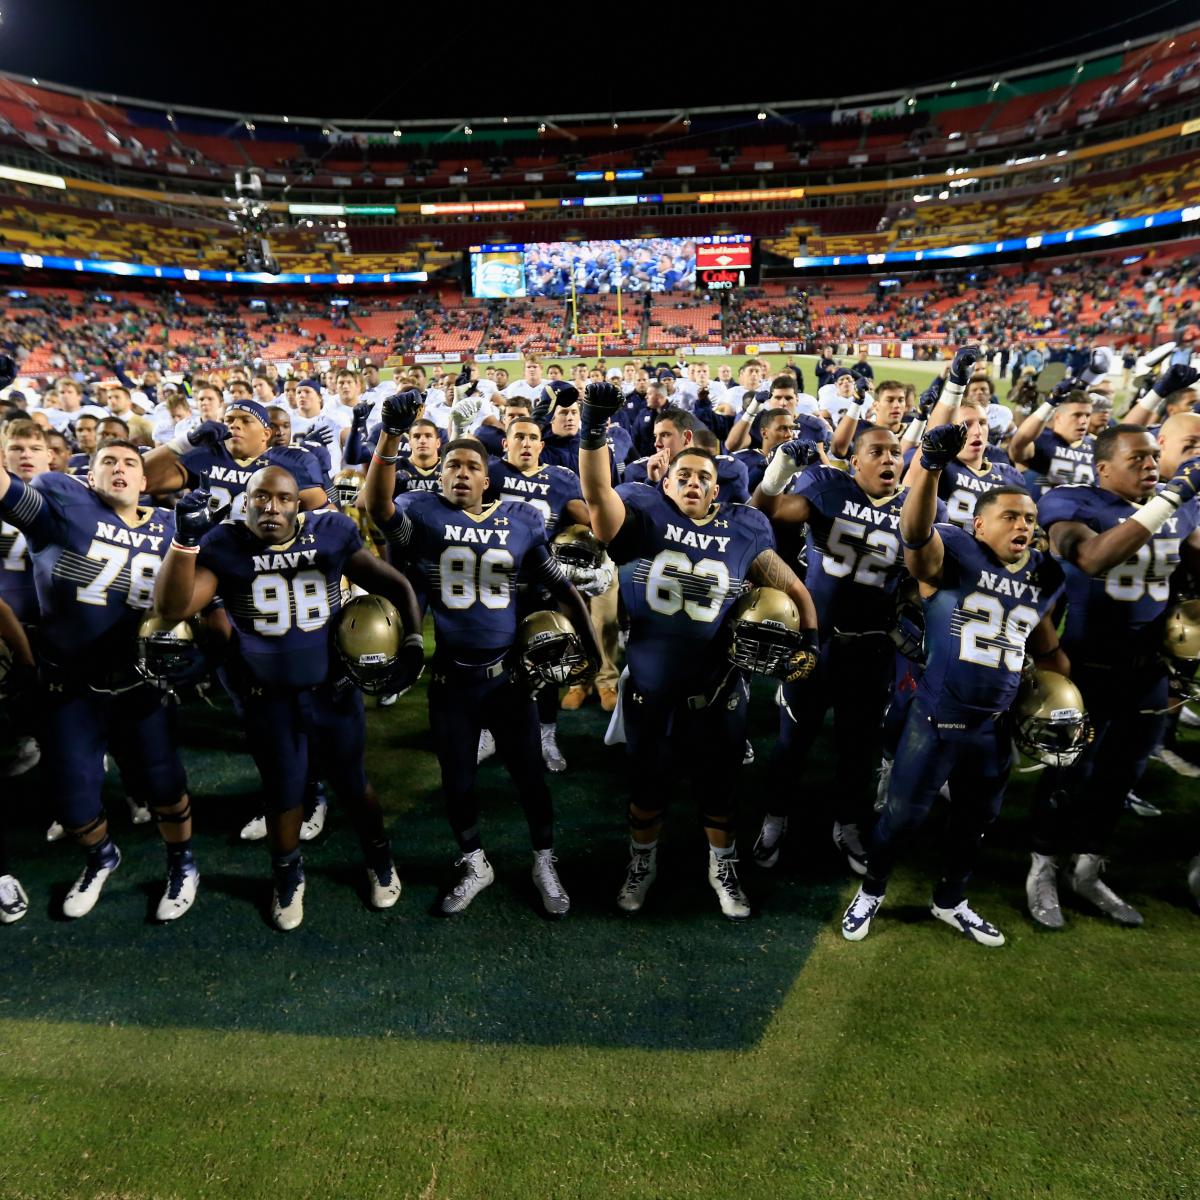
(639, 875)
(477, 874)
(85, 891)
(385, 885)
(14, 903)
(723, 878)
(287, 902)
(969, 923)
(312, 827)
(27, 756)
(551, 755)
(139, 813)
(182, 881)
(555, 900)
(487, 746)
(254, 830)
(856, 920)
(55, 832)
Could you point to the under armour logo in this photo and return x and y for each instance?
(156, 527)
(55, 687)
(501, 520)
(720, 524)
(308, 539)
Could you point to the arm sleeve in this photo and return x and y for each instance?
(36, 511)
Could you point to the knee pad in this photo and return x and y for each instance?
(176, 816)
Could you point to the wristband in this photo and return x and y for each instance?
(1045, 412)
(593, 439)
(385, 458)
(853, 411)
(1157, 407)
(778, 474)
(952, 393)
(915, 432)
(1155, 511)
(177, 545)
(917, 545)
(179, 445)
(751, 410)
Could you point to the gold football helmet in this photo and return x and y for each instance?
(169, 653)
(1181, 642)
(347, 483)
(765, 631)
(367, 638)
(1051, 724)
(578, 546)
(549, 650)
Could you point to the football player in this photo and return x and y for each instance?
(554, 494)
(684, 558)
(1053, 440)
(675, 429)
(227, 453)
(279, 573)
(888, 411)
(1120, 541)
(95, 555)
(777, 426)
(988, 596)
(419, 472)
(854, 567)
(467, 557)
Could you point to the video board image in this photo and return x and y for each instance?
(653, 265)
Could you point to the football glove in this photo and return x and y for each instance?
(788, 460)
(862, 387)
(197, 513)
(318, 433)
(1184, 485)
(209, 433)
(1062, 390)
(556, 394)
(590, 581)
(400, 411)
(362, 412)
(466, 409)
(929, 398)
(1174, 379)
(600, 401)
(940, 446)
(803, 662)
(963, 364)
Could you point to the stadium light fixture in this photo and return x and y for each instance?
(468, 130)
(542, 127)
(397, 133)
(285, 120)
(954, 83)
(996, 86)
(34, 81)
(503, 120)
(687, 121)
(762, 116)
(615, 123)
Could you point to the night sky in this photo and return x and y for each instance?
(394, 61)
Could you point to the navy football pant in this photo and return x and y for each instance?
(975, 763)
(290, 731)
(462, 702)
(136, 727)
(1075, 810)
(667, 738)
(854, 677)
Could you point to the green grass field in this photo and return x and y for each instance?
(669, 1055)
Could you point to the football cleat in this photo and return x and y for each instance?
(311, 827)
(85, 891)
(1041, 892)
(55, 832)
(27, 756)
(555, 900)
(14, 903)
(287, 903)
(254, 830)
(487, 746)
(969, 923)
(1086, 882)
(723, 878)
(639, 875)
(182, 881)
(1140, 807)
(770, 838)
(1176, 762)
(477, 874)
(551, 755)
(1193, 878)
(847, 840)
(384, 883)
(138, 813)
(856, 921)
(388, 700)
(748, 754)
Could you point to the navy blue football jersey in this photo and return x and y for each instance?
(548, 490)
(731, 478)
(678, 580)
(855, 560)
(977, 624)
(17, 588)
(281, 598)
(228, 476)
(961, 486)
(467, 567)
(94, 574)
(411, 478)
(1056, 462)
(755, 462)
(1117, 613)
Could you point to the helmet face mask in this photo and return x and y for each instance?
(764, 628)
(550, 651)
(169, 655)
(346, 486)
(1051, 725)
(578, 546)
(367, 639)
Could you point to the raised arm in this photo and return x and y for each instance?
(738, 437)
(183, 588)
(1151, 408)
(1020, 449)
(605, 507)
(164, 472)
(398, 414)
(923, 549)
(786, 462)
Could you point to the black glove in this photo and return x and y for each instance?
(1062, 390)
(400, 411)
(8, 370)
(813, 429)
(1184, 485)
(362, 412)
(318, 433)
(941, 445)
(550, 398)
(862, 386)
(929, 398)
(1175, 379)
(196, 513)
(963, 364)
(803, 662)
(802, 451)
(600, 402)
(209, 433)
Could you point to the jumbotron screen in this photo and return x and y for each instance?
(600, 267)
